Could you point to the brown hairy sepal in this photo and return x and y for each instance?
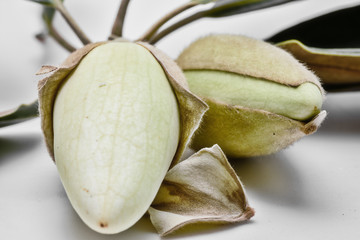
(250, 132)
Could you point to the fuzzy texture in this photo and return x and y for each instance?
(246, 56)
(201, 189)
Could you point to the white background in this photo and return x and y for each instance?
(308, 191)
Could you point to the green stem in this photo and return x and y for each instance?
(218, 11)
(176, 26)
(73, 25)
(150, 33)
(60, 40)
(117, 29)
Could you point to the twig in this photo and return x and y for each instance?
(150, 33)
(117, 29)
(218, 11)
(59, 39)
(63, 11)
(177, 25)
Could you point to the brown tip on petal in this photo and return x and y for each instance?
(249, 213)
(313, 125)
(103, 224)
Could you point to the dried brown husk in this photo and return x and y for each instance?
(191, 107)
(201, 189)
(333, 66)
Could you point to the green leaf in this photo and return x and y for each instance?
(20, 114)
(48, 3)
(223, 8)
(338, 69)
(338, 29)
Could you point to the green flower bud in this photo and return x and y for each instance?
(261, 98)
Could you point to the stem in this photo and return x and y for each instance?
(217, 11)
(177, 25)
(117, 29)
(60, 40)
(150, 33)
(81, 35)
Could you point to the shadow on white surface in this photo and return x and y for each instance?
(343, 114)
(13, 146)
(272, 178)
(77, 229)
(202, 229)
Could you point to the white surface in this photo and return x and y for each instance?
(308, 191)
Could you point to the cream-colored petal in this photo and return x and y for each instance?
(202, 188)
(116, 130)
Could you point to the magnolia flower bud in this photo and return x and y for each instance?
(115, 116)
(261, 99)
